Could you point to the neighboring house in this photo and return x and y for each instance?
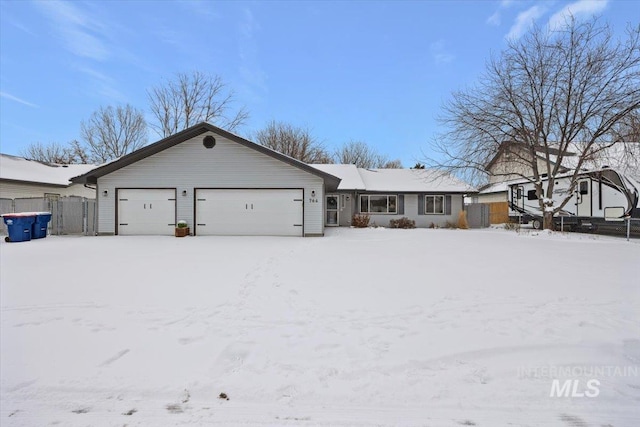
(23, 178)
(425, 196)
(512, 162)
(218, 182)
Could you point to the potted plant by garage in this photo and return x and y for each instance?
(182, 229)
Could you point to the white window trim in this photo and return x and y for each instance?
(444, 208)
(378, 195)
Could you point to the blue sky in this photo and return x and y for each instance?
(349, 70)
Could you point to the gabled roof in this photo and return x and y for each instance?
(620, 155)
(396, 180)
(19, 169)
(144, 152)
(553, 153)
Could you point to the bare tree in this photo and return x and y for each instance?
(56, 153)
(78, 152)
(550, 93)
(191, 98)
(363, 156)
(628, 129)
(392, 164)
(293, 141)
(625, 154)
(113, 132)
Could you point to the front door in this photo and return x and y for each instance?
(583, 198)
(332, 211)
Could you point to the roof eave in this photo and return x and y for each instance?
(48, 184)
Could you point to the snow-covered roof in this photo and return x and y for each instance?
(497, 187)
(412, 180)
(622, 156)
(395, 180)
(350, 178)
(20, 169)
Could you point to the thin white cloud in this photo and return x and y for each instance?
(494, 19)
(254, 78)
(21, 27)
(81, 34)
(202, 8)
(578, 9)
(96, 74)
(103, 84)
(16, 99)
(524, 21)
(439, 53)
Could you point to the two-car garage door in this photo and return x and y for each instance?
(250, 212)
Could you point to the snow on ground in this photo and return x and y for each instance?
(361, 327)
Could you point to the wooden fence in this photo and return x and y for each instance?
(498, 212)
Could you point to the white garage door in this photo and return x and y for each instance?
(275, 212)
(146, 211)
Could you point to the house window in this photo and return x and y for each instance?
(434, 205)
(378, 204)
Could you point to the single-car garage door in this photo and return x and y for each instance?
(255, 212)
(146, 211)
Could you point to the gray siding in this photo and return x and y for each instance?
(15, 190)
(347, 207)
(422, 221)
(189, 165)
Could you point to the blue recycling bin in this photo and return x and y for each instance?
(39, 226)
(18, 227)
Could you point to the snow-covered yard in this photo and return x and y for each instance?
(361, 327)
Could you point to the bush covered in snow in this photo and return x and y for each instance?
(403, 222)
(360, 221)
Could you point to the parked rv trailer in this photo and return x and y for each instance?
(599, 195)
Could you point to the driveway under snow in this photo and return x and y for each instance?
(361, 327)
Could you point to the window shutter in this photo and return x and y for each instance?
(420, 204)
(447, 205)
(400, 204)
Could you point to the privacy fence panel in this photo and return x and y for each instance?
(69, 215)
(478, 215)
(90, 216)
(499, 212)
(31, 204)
(71, 211)
(6, 206)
